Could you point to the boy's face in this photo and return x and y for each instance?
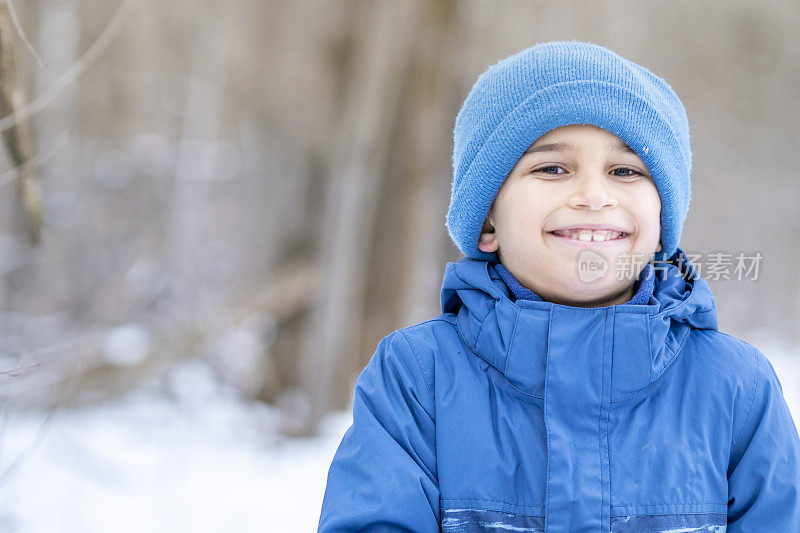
(576, 176)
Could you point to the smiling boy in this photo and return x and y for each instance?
(583, 189)
(541, 400)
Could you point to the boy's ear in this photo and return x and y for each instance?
(488, 240)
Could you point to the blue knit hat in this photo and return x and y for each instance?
(554, 84)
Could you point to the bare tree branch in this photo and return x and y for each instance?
(15, 464)
(36, 161)
(74, 72)
(16, 372)
(16, 137)
(22, 35)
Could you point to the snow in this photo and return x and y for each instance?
(199, 459)
(126, 345)
(188, 456)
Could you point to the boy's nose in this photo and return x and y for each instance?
(592, 191)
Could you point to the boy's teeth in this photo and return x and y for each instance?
(589, 235)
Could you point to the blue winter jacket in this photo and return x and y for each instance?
(504, 415)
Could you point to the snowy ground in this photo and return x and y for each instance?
(200, 461)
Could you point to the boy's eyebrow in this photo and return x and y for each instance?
(622, 147)
(551, 147)
(564, 147)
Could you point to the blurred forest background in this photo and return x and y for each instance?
(263, 184)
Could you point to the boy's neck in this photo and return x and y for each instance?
(641, 291)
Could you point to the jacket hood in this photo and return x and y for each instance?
(515, 336)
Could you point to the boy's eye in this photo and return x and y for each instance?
(551, 169)
(554, 170)
(625, 172)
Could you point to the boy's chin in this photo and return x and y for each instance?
(600, 292)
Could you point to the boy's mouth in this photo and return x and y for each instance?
(590, 234)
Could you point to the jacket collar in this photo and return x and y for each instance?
(512, 336)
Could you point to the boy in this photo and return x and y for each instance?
(554, 397)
